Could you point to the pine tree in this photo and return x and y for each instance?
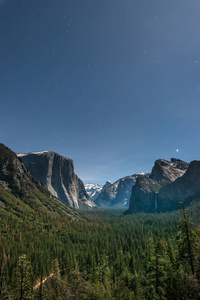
(187, 240)
(1, 274)
(56, 269)
(157, 269)
(23, 279)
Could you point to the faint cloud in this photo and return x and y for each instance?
(58, 135)
(2, 2)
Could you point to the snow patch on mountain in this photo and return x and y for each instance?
(93, 190)
(25, 154)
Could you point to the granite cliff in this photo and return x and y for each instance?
(23, 195)
(150, 194)
(186, 187)
(144, 195)
(168, 170)
(56, 173)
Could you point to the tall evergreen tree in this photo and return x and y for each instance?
(1, 274)
(23, 279)
(187, 240)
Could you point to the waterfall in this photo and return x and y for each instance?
(156, 201)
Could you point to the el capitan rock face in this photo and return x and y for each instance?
(150, 194)
(21, 193)
(56, 172)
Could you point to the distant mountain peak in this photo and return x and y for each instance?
(94, 189)
(168, 170)
(117, 194)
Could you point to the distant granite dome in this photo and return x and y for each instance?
(56, 172)
(117, 194)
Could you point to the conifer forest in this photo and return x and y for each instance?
(103, 255)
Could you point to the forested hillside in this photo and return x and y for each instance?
(105, 256)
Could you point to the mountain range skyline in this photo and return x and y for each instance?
(92, 183)
(160, 190)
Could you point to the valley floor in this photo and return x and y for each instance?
(106, 255)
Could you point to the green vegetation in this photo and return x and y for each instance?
(109, 256)
(48, 250)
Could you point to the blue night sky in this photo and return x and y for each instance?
(112, 84)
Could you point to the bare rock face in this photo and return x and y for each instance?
(170, 171)
(56, 172)
(186, 187)
(13, 173)
(21, 193)
(117, 194)
(150, 194)
(144, 195)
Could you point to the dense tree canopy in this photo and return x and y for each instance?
(108, 256)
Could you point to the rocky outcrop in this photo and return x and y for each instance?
(21, 193)
(14, 176)
(56, 173)
(146, 194)
(186, 187)
(117, 195)
(93, 190)
(169, 171)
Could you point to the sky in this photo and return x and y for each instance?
(112, 84)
